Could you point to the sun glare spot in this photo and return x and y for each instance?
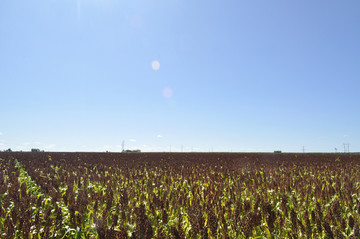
(167, 92)
(155, 65)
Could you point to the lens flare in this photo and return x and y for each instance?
(167, 92)
(155, 65)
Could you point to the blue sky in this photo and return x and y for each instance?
(85, 75)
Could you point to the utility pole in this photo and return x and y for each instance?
(123, 146)
(303, 149)
(346, 148)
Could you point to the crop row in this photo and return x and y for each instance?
(88, 195)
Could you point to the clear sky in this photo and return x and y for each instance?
(237, 75)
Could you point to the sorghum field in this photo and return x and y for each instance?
(179, 195)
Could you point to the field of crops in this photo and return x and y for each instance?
(179, 195)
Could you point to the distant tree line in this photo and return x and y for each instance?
(32, 150)
(131, 151)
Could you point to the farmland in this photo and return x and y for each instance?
(179, 195)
